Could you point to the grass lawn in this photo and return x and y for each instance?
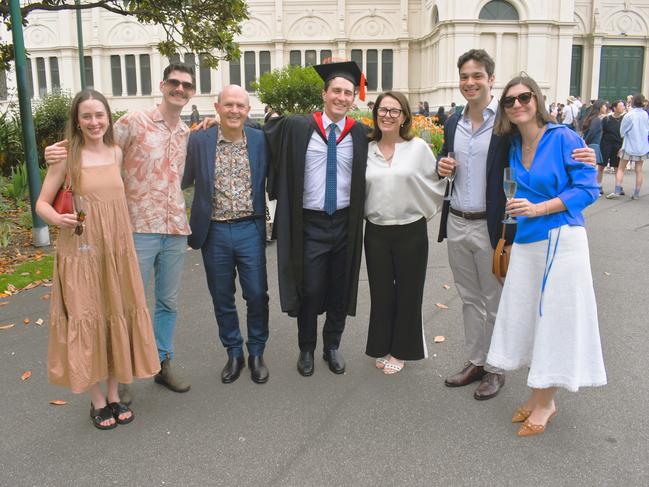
(28, 272)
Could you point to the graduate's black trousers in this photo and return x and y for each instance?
(396, 257)
(324, 285)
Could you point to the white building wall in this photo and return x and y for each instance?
(424, 52)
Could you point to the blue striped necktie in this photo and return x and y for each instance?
(330, 185)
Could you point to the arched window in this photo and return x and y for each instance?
(498, 10)
(435, 16)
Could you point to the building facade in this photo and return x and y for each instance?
(594, 48)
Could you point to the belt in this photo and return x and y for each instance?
(240, 219)
(324, 213)
(469, 215)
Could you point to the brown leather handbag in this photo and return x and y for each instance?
(63, 199)
(501, 257)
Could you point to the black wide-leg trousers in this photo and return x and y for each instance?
(396, 257)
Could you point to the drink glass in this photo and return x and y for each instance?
(79, 230)
(509, 185)
(451, 177)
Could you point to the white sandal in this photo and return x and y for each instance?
(392, 368)
(380, 362)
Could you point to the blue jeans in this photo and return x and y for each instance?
(165, 254)
(230, 247)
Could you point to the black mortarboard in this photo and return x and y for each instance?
(348, 70)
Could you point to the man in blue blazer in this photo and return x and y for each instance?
(228, 165)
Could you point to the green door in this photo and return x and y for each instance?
(620, 72)
(575, 70)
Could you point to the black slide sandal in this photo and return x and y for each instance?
(118, 408)
(100, 415)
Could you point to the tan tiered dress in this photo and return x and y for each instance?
(100, 326)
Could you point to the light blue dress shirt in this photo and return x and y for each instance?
(315, 168)
(471, 149)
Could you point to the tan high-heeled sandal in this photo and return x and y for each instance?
(529, 429)
(521, 414)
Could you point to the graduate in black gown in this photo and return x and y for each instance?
(317, 176)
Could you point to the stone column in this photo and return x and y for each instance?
(596, 60)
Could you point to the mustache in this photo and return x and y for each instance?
(181, 93)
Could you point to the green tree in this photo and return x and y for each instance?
(201, 26)
(50, 116)
(291, 89)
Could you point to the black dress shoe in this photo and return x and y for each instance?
(258, 369)
(305, 363)
(335, 360)
(232, 369)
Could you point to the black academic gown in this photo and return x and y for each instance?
(288, 138)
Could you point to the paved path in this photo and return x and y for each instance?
(358, 429)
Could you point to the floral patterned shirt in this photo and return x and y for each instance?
(154, 161)
(232, 180)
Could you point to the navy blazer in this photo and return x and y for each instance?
(199, 170)
(497, 160)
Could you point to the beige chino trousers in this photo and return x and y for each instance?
(470, 256)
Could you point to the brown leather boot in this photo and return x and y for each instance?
(168, 377)
(125, 394)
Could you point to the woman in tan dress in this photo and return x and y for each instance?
(100, 328)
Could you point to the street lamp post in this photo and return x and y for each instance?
(82, 61)
(40, 231)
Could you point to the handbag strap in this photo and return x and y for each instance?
(67, 185)
(502, 234)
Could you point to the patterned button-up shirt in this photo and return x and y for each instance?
(154, 161)
(232, 180)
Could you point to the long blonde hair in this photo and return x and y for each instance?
(75, 137)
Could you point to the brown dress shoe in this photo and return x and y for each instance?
(470, 373)
(489, 386)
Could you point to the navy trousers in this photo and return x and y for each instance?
(232, 247)
(325, 276)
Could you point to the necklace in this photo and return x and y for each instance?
(530, 147)
(388, 159)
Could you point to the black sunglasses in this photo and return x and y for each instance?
(175, 83)
(523, 99)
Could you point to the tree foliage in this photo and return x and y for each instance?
(50, 116)
(200, 26)
(291, 89)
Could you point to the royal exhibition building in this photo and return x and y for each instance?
(592, 48)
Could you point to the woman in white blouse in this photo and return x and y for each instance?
(402, 195)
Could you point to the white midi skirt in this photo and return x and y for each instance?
(554, 332)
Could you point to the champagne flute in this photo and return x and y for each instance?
(451, 177)
(80, 209)
(509, 185)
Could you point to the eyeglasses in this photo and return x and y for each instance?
(523, 99)
(175, 83)
(394, 112)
